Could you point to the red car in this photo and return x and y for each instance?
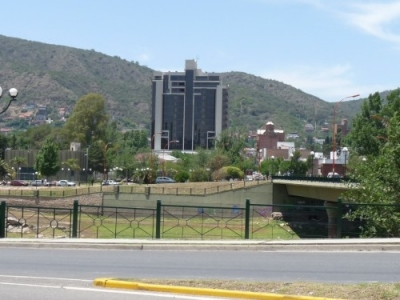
(18, 183)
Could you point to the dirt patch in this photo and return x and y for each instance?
(93, 199)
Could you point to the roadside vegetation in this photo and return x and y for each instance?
(363, 291)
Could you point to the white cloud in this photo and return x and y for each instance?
(144, 57)
(330, 84)
(376, 19)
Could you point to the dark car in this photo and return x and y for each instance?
(164, 180)
(18, 183)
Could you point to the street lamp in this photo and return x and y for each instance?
(163, 162)
(151, 155)
(36, 173)
(105, 160)
(291, 164)
(312, 163)
(13, 93)
(19, 173)
(271, 165)
(345, 151)
(334, 131)
(208, 173)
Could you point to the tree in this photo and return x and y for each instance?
(96, 155)
(72, 165)
(47, 162)
(375, 169)
(298, 167)
(89, 120)
(17, 162)
(368, 133)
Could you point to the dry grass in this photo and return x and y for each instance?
(370, 291)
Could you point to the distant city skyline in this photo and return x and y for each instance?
(329, 49)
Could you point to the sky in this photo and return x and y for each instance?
(331, 49)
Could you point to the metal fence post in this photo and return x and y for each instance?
(3, 206)
(75, 219)
(158, 220)
(339, 218)
(247, 220)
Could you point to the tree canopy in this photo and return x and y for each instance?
(47, 160)
(88, 121)
(375, 166)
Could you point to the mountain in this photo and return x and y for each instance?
(57, 76)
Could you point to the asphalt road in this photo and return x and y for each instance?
(87, 264)
(37, 288)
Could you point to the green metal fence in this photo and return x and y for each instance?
(255, 221)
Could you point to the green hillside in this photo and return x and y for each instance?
(57, 76)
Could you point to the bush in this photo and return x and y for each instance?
(181, 176)
(227, 173)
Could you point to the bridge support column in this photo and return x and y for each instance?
(331, 210)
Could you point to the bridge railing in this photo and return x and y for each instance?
(311, 178)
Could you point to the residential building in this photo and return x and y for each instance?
(189, 109)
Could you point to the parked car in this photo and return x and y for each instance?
(65, 183)
(258, 176)
(248, 178)
(333, 175)
(164, 180)
(37, 182)
(109, 182)
(18, 183)
(50, 183)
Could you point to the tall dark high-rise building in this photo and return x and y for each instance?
(189, 109)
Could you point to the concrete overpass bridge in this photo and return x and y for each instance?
(307, 188)
(322, 192)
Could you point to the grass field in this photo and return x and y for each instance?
(179, 223)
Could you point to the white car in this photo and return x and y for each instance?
(65, 183)
(109, 182)
(249, 178)
(333, 175)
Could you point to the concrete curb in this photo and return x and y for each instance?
(227, 245)
(113, 283)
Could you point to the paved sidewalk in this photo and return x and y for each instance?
(390, 244)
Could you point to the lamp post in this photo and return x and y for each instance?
(312, 163)
(291, 164)
(271, 165)
(19, 173)
(345, 151)
(151, 156)
(163, 162)
(69, 174)
(259, 153)
(86, 169)
(334, 130)
(36, 173)
(13, 93)
(105, 160)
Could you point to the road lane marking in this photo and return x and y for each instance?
(48, 278)
(100, 290)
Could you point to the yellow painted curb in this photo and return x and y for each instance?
(111, 283)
